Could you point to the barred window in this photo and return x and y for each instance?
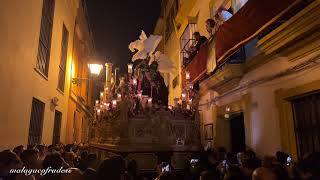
(45, 37)
(36, 122)
(57, 127)
(63, 58)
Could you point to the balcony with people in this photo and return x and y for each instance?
(238, 38)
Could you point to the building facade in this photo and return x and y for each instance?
(36, 73)
(258, 77)
(80, 99)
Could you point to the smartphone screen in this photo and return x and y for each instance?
(165, 167)
(193, 161)
(289, 160)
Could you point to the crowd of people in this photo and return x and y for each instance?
(206, 165)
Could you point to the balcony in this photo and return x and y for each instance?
(197, 66)
(253, 22)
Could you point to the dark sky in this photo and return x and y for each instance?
(115, 23)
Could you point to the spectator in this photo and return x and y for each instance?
(167, 176)
(18, 150)
(200, 40)
(42, 151)
(30, 158)
(209, 175)
(211, 26)
(263, 173)
(90, 172)
(8, 160)
(111, 168)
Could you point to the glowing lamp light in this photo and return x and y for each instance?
(119, 96)
(134, 81)
(97, 101)
(227, 116)
(101, 94)
(187, 75)
(106, 88)
(98, 111)
(149, 100)
(190, 100)
(183, 95)
(130, 66)
(107, 105)
(140, 94)
(101, 106)
(228, 109)
(114, 102)
(95, 68)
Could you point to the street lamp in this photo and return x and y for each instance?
(94, 69)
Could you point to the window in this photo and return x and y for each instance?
(63, 58)
(36, 122)
(45, 37)
(169, 26)
(306, 112)
(57, 127)
(187, 41)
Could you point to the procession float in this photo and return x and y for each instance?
(133, 118)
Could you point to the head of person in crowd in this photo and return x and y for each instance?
(263, 173)
(209, 175)
(8, 160)
(18, 150)
(111, 168)
(282, 157)
(91, 160)
(70, 158)
(75, 174)
(167, 176)
(221, 153)
(247, 167)
(280, 172)
(90, 172)
(250, 154)
(240, 157)
(308, 167)
(54, 160)
(213, 158)
(234, 173)
(42, 151)
(269, 161)
(30, 158)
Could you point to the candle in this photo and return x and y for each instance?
(134, 81)
(114, 103)
(187, 75)
(130, 66)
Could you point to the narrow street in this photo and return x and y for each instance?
(161, 89)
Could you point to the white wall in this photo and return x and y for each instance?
(19, 34)
(264, 137)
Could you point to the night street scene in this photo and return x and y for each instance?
(160, 90)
